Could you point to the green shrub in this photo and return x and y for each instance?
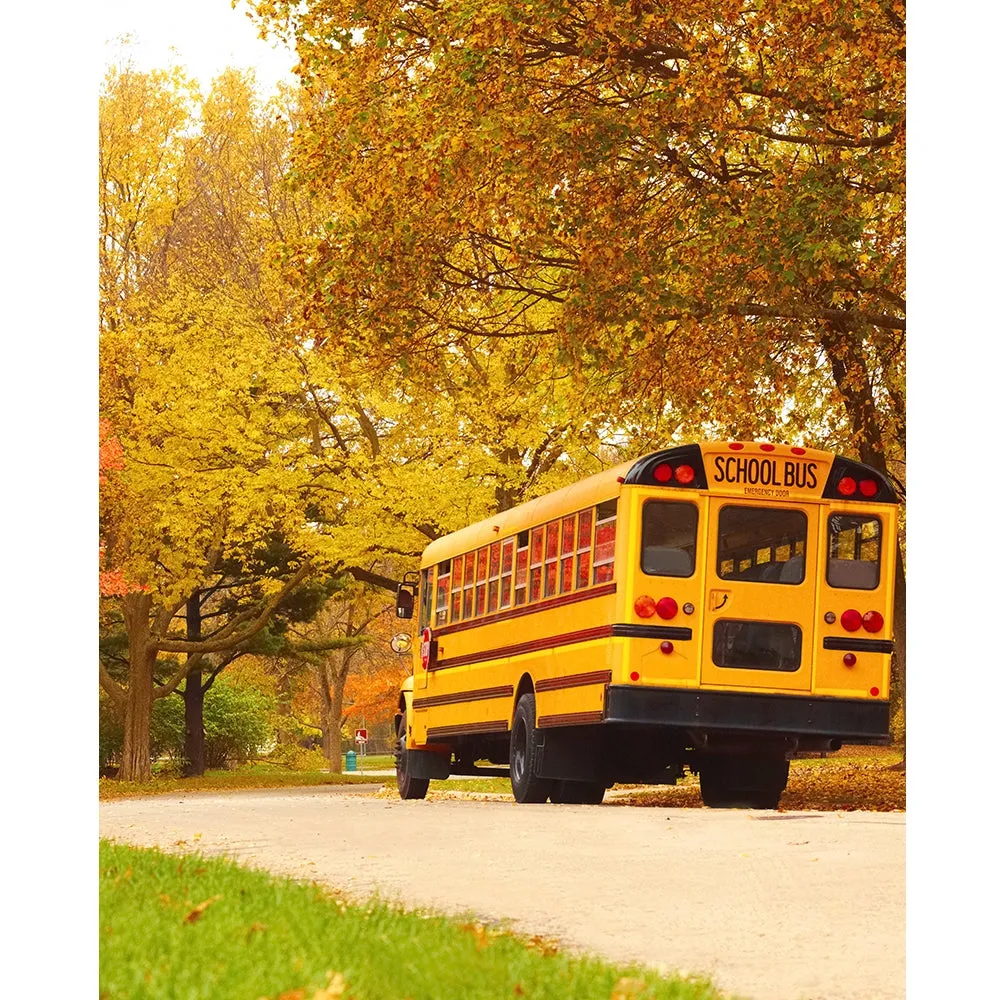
(237, 723)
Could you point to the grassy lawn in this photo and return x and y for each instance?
(252, 776)
(188, 927)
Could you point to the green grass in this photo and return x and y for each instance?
(254, 776)
(190, 928)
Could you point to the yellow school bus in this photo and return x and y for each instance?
(716, 607)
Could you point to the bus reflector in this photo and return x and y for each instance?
(798, 451)
(847, 487)
(634, 676)
(873, 622)
(685, 474)
(645, 606)
(735, 445)
(874, 692)
(850, 619)
(850, 659)
(868, 487)
(666, 607)
(663, 473)
(666, 646)
(767, 447)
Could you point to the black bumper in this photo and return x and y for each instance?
(846, 719)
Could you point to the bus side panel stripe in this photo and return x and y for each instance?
(549, 642)
(479, 694)
(573, 680)
(569, 719)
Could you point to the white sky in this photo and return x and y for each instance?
(202, 36)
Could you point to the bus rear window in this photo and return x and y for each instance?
(762, 544)
(669, 538)
(854, 551)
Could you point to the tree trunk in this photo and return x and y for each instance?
(194, 700)
(136, 765)
(334, 706)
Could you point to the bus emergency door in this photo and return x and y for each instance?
(760, 606)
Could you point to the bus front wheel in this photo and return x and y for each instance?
(753, 781)
(409, 786)
(527, 787)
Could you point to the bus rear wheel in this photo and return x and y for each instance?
(526, 785)
(753, 781)
(588, 793)
(409, 787)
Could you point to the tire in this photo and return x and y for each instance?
(409, 787)
(587, 793)
(743, 782)
(523, 751)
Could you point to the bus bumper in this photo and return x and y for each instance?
(846, 719)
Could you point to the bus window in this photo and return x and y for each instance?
(669, 537)
(469, 577)
(535, 566)
(755, 538)
(551, 557)
(604, 541)
(425, 598)
(506, 572)
(456, 589)
(567, 549)
(443, 587)
(493, 592)
(583, 540)
(521, 574)
(854, 551)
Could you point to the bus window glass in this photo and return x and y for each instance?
(604, 541)
(425, 598)
(443, 590)
(521, 574)
(854, 551)
(583, 540)
(754, 538)
(669, 538)
(493, 591)
(551, 557)
(535, 567)
(456, 589)
(469, 580)
(506, 573)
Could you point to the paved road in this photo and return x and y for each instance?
(773, 906)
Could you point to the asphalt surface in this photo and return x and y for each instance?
(772, 906)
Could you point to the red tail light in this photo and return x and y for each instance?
(873, 622)
(767, 447)
(684, 474)
(847, 487)
(666, 607)
(850, 619)
(850, 659)
(645, 606)
(868, 487)
(666, 646)
(663, 473)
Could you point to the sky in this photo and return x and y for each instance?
(202, 36)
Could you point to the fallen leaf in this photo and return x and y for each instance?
(334, 988)
(196, 913)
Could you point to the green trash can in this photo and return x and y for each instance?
(351, 761)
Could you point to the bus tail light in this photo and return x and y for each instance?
(873, 622)
(645, 606)
(868, 487)
(685, 474)
(666, 646)
(847, 486)
(663, 473)
(666, 607)
(850, 659)
(851, 620)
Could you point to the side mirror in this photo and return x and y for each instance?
(401, 642)
(405, 594)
